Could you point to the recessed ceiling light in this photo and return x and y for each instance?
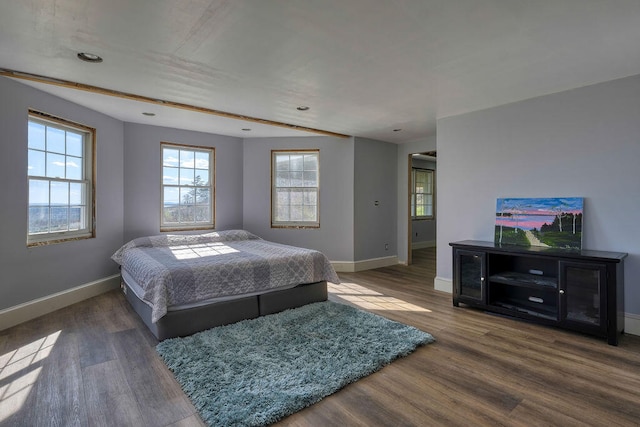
(147, 113)
(397, 130)
(89, 57)
(302, 108)
(246, 129)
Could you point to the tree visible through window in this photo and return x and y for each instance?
(60, 174)
(187, 187)
(295, 188)
(422, 193)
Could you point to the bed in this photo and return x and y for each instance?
(182, 284)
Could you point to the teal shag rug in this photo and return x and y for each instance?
(256, 372)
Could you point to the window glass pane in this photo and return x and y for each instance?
(59, 218)
(186, 213)
(38, 219)
(76, 217)
(202, 177)
(55, 165)
(76, 193)
(187, 159)
(296, 179)
(309, 213)
(36, 163)
(202, 160)
(171, 196)
(282, 196)
(282, 213)
(170, 176)
(74, 168)
(55, 140)
(311, 197)
(296, 197)
(203, 213)
(282, 162)
(283, 179)
(170, 157)
(187, 195)
(59, 193)
(310, 179)
(36, 136)
(170, 211)
(311, 162)
(295, 213)
(187, 176)
(296, 163)
(202, 196)
(170, 214)
(38, 192)
(74, 144)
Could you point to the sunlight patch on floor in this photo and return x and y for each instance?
(19, 370)
(369, 299)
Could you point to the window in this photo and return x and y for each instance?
(60, 175)
(295, 188)
(422, 193)
(187, 187)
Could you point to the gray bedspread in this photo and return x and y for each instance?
(181, 269)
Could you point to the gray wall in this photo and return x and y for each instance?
(404, 150)
(30, 273)
(375, 175)
(142, 174)
(424, 230)
(584, 143)
(335, 236)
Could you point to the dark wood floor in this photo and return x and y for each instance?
(94, 363)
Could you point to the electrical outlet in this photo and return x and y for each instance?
(386, 246)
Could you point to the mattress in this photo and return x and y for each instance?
(180, 270)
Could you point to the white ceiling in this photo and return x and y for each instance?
(364, 67)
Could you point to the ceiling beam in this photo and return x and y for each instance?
(124, 95)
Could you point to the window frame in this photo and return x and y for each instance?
(274, 187)
(189, 226)
(88, 179)
(414, 194)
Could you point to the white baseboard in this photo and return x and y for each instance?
(38, 307)
(424, 244)
(367, 264)
(632, 324)
(442, 284)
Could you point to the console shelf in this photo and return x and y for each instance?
(578, 290)
(523, 279)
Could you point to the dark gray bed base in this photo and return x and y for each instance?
(189, 321)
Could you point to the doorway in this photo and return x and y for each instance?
(421, 229)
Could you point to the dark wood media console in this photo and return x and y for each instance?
(572, 289)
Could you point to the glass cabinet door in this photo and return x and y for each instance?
(582, 287)
(470, 275)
